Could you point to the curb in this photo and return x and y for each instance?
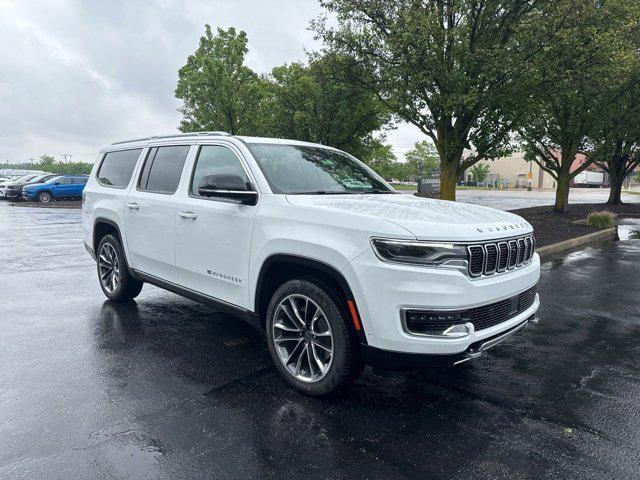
(595, 237)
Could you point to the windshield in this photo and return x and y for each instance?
(296, 169)
(24, 178)
(37, 179)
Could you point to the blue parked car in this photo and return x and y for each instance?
(60, 187)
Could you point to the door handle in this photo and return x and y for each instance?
(190, 215)
(133, 205)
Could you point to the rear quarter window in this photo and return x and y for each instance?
(117, 168)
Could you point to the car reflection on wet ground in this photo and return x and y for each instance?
(167, 388)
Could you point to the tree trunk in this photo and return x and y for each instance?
(448, 180)
(562, 192)
(615, 191)
(616, 165)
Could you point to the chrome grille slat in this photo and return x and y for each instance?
(496, 257)
(520, 252)
(476, 260)
(490, 258)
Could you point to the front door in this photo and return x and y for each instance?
(63, 187)
(150, 212)
(213, 235)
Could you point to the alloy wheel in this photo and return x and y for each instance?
(302, 338)
(45, 197)
(109, 268)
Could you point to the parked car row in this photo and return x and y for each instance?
(43, 187)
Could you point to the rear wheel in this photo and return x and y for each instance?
(309, 340)
(115, 280)
(44, 197)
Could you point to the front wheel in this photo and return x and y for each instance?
(44, 197)
(309, 340)
(115, 280)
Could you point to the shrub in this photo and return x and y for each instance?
(603, 219)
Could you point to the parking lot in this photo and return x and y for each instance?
(515, 199)
(167, 388)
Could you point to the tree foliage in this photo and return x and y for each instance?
(321, 102)
(588, 57)
(219, 92)
(317, 102)
(383, 161)
(47, 163)
(454, 69)
(479, 172)
(422, 158)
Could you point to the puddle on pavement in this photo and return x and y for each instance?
(629, 229)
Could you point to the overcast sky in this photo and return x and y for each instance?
(77, 75)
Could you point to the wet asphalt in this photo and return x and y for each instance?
(167, 388)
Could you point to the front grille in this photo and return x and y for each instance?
(491, 257)
(486, 316)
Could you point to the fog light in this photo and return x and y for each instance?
(440, 323)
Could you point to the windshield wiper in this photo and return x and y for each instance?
(319, 192)
(376, 190)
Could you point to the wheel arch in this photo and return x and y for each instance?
(103, 226)
(279, 268)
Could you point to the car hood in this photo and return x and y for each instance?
(426, 218)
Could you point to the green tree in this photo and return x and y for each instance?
(455, 69)
(422, 158)
(321, 102)
(617, 141)
(588, 49)
(219, 92)
(47, 163)
(382, 160)
(479, 172)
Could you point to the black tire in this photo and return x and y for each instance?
(126, 287)
(45, 197)
(346, 364)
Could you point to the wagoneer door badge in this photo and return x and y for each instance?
(224, 277)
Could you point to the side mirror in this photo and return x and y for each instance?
(228, 186)
(57, 183)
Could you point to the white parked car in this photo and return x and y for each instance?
(312, 246)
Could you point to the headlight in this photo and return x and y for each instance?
(419, 253)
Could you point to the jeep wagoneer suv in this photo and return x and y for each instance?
(312, 246)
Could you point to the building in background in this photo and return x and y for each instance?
(513, 172)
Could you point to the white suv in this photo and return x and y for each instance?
(314, 247)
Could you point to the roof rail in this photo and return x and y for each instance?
(175, 135)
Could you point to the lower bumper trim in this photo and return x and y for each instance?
(393, 360)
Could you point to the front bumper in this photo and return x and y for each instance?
(391, 360)
(382, 290)
(13, 194)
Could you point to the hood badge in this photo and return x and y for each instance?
(513, 226)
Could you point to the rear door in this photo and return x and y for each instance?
(78, 186)
(213, 235)
(150, 212)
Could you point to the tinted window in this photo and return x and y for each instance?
(307, 169)
(117, 167)
(79, 180)
(162, 169)
(215, 160)
(64, 181)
